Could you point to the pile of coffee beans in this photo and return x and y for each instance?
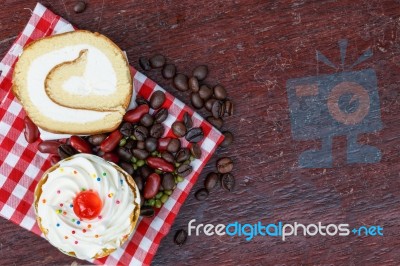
(213, 99)
(157, 164)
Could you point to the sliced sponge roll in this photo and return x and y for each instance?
(98, 79)
(77, 83)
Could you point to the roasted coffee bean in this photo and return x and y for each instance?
(157, 99)
(65, 151)
(80, 144)
(174, 145)
(127, 167)
(49, 146)
(95, 149)
(194, 135)
(100, 152)
(200, 72)
(111, 157)
(151, 186)
(168, 157)
(209, 103)
(147, 120)
(140, 100)
(141, 133)
(157, 131)
(181, 82)
(184, 170)
(54, 159)
(218, 109)
(228, 181)
(139, 181)
(168, 71)
(141, 145)
(224, 165)
(124, 153)
(31, 131)
(126, 129)
(201, 194)
(79, 7)
(182, 155)
(144, 63)
(205, 92)
(161, 115)
(211, 181)
(179, 129)
(194, 84)
(145, 171)
(160, 164)
(140, 154)
(134, 115)
(147, 211)
(130, 144)
(187, 120)
(228, 108)
(163, 144)
(216, 122)
(168, 181)
(196, 100)
(157, 61)
(195, 150)
(97, 139)
(228, 139)
(151, 144)
(219, 92)
(180, 237)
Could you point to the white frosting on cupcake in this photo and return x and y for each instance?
(86, 238)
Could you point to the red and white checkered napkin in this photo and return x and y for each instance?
(21, 165)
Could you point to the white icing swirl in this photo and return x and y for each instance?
(86, 238)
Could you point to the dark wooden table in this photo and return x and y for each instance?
(254, 48)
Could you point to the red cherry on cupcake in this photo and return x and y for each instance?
(87, 205)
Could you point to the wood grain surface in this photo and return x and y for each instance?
(253, 48)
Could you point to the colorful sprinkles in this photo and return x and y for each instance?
(98, 179)
(110, 195)
(44, 201)
(104, 174)
(58, 224)
(117, 201)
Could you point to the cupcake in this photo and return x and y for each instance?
(86, 206)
